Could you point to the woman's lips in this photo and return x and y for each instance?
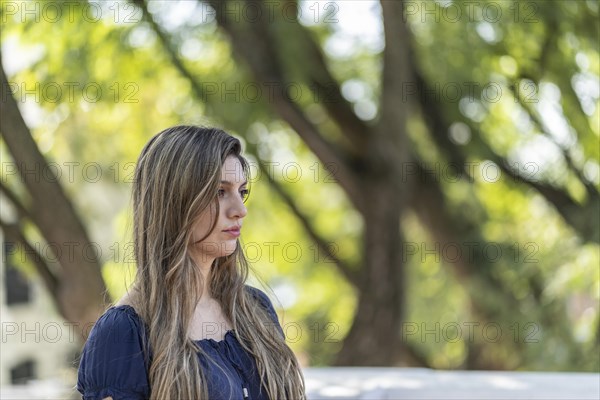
(233, 232)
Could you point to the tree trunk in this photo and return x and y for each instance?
(374, 338)
(77, 286)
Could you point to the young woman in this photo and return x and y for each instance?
(190, 328)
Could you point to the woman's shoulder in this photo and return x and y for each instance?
(257, 293)
(121, 313)
(262, 298)
(118, 324)
(113, 361)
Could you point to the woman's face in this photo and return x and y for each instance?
(231, 194)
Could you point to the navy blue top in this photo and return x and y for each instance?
(113, 363)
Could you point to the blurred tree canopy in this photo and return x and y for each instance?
(426, 173)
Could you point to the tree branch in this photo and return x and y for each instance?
(321, 242)
(22, 212)
(254, 43)
(389, 149)
(572, 213)
(162, 36)
(429, 203)
(79, 294)
(349, 273)
(567, 91)
(396, 74)
(325, 87)
(14, 234)
(590, 188)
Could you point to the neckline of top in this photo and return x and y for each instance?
(228, 333)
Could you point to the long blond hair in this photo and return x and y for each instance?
(176, 178)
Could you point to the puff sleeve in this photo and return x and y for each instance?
(113, 362)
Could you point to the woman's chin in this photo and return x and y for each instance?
(229, 247)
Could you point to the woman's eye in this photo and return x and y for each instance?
(243, 193)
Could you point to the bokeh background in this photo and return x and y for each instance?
(426, 173)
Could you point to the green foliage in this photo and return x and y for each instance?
(545, 270)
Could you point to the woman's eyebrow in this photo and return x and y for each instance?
(231, 184)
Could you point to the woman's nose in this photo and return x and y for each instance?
(238, 209)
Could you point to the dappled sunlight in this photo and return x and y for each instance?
(427, 202)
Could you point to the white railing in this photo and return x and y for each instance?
(425, 384)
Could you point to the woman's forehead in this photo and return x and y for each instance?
(233, 171)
